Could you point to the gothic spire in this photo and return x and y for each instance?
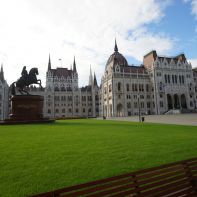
(95, 80)
(74, 66)
(115, 47)
(1, 73)
(90, 77)
(49, 63)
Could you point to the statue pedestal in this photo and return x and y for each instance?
(26, 107)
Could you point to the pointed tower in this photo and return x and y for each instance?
(115, 47)
(90, 77)
(74, 66)
(95, 80)
(2, 73)
(49, 63)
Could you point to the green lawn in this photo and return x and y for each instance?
(40, 158)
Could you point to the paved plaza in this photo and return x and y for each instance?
(179, 119)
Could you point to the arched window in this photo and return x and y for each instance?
(166, 80)
(119, 86)
(183, 79)
(127, 87)
(175, 78)
(172, 78)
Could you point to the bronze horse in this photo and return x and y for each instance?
(25, 81)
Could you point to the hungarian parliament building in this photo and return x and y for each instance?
(161, 85)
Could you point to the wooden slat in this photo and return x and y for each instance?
(102, 187)
(167, 189)
(164, 176)
(187, 192)
(111, 191)
(169, 181)
(163, 171)
(90, 184)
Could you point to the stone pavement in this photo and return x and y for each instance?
(179, 119)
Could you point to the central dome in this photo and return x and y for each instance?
(117, 58)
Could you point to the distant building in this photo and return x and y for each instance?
(64, 98)
(160, 85)
(4, 91)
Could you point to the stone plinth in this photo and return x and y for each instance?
(26, 107)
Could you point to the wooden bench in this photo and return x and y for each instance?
(177, 179)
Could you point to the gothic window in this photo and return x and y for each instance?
(89, 98)
(119, 86)
(96, 98)
(117, 69)
(127, 87)
(166, 80)
(63, 110)
(147, 87)
(63, 89)
(128, 105)
(57, 98)
(49, 111)
(175, 78)
(133, 87)
(69, 98)
(142, 96)
(83, 98)
(180, 81)
(57, 111)
(172, 78)
(110, 88)
(183, 79)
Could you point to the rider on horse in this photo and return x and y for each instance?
(24, 74)
(25, 80)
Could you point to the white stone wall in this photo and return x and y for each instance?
(123, 101)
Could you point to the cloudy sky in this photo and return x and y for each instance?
(31, 29)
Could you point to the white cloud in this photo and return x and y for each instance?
(193, 62)
(31, 29)
(186, 1)
(194, 8)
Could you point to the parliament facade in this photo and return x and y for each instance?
(161, 85)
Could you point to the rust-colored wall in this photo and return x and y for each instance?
(149, 59)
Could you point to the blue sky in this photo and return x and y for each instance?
(179, 24)
(86, 29)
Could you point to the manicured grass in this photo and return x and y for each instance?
(40, 158)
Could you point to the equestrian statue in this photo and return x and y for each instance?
(25, 80)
